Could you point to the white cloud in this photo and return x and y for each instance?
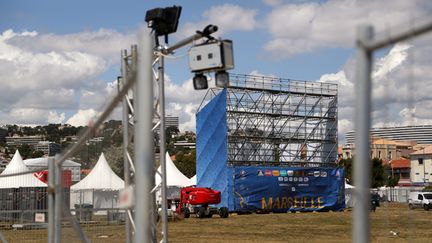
(400, 93)
(258, 73)
(272, 3)
(27, 114)
(83, 118)
(394, 58)
(228, 17)
(183, 93)
(183, 100)
(46, 77)
(54, 98)
(103, 43)
(305, 27)
(55, 118)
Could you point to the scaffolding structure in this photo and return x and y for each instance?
(280, 122)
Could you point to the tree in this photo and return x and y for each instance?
(347, 164)
(114, 156)
(392, 180)
(377, 175)
(37, 154)
(52, 132)
(25, 150)
(186, 163)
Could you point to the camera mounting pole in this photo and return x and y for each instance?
(160, 52)
(208, 30)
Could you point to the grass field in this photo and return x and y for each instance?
(408, 225)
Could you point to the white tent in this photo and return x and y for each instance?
(175, 179)
(17, 165)
(193, 180)
(174, 176)
(349, 195)
(99, 188)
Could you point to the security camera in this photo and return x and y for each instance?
(216, 55)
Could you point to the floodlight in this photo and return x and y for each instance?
(163, 21)
(222, 79)
(200, 81)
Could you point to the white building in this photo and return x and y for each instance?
(48, 148)
(421, 134)
(171, 121)
(421, 166)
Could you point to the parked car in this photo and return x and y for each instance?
(420, 200)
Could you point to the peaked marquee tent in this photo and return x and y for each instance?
(99, 188)
(193, 179)
(175, 180)
(21, 192)
(17, 165)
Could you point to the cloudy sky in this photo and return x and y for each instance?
(59, 59)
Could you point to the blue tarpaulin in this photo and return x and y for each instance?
(282, 189)
(211, 149)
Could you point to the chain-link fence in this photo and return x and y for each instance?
(24, 214)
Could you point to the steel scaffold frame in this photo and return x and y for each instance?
(280, 122)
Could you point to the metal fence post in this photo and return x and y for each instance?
(362, 163)
(144, 153)
(51, 191)
(162, 148)
(125, 121)
(58, 201)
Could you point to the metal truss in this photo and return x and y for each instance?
(273, 121)
(128, 62)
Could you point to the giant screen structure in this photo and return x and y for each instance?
(270, 144)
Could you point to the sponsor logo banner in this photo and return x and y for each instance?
(282, 189)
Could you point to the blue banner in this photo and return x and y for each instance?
(282, 189)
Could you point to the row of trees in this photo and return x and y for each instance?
(111, 144)
(51, 132)
(380, 175)
(26, 151)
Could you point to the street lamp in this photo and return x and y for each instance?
(163, 21)
(200, 81)
(391, 166)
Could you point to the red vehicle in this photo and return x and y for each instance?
(196, 200)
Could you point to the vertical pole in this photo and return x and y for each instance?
(362, 163)
(162, 148)
(125, 121)
(424, 172)
(51, 199)
(134, 61)
(144, 153)
(58, 202)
